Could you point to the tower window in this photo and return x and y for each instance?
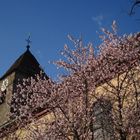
(2, 96)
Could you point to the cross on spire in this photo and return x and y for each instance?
(28, 42)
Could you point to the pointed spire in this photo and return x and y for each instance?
(28, 42)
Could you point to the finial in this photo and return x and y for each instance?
(28, 42)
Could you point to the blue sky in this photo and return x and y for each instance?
(50, 21)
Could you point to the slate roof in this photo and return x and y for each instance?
(25, 64)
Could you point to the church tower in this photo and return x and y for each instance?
(25, 66)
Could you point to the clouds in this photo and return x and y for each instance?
(98, 19)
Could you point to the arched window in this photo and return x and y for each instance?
(103, 126)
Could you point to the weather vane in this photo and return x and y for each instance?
(28, 41)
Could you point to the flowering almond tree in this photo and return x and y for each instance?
(120, 61)
(68, 101)
(99, 99)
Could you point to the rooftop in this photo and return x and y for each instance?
(25, 64)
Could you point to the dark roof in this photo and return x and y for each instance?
(25, 64)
